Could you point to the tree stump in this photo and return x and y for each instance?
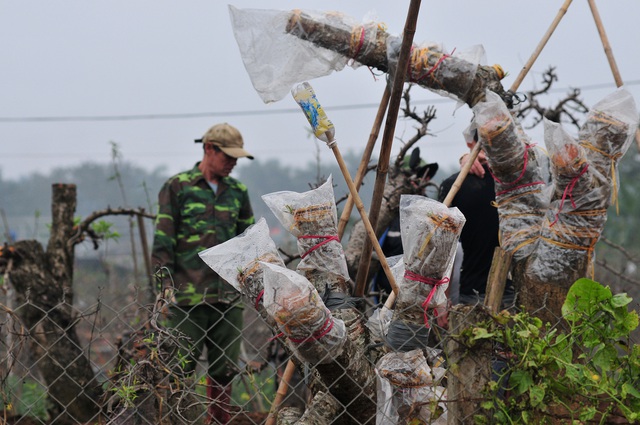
(470, 367)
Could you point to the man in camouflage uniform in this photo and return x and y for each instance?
(198, 209)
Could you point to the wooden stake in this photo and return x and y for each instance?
(385, 149)
(363, 214)
(497, 279)
(364, 162)
(609, 52)
(281, 393)
(543, 42)
(147, 258)
(605, 43)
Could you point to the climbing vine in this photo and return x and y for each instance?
(583, 369)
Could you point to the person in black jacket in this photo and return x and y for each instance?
(479, 235)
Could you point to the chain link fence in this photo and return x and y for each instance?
(483, 368)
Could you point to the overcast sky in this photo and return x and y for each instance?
(153, 75)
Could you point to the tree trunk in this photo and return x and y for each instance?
(428, 67)
(43, 284)
(397, 184)
(470, 368)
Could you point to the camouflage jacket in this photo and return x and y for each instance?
(191, 218)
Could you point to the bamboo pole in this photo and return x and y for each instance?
(605, 43)
(609, 53)
(281, 393)
(373, 239)
(366, 156)
(543, 42)
(497, 279)
(385, 149)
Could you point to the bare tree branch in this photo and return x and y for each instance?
(570, 108)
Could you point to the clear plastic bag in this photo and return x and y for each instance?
(430, 231)
(314, 335)
(607, 133)
(518, 169)
(238, 261)
(312, 218)
(276, 59)
(407, 391)
(431, 67)
(577, 212)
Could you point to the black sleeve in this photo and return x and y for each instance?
(445, 187)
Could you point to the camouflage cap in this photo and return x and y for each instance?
(227, 138)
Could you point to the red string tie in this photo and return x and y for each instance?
(258, 299)
(360, 43)
(524, 168)
(326, 240)
(326, 328)
(281, 334)
(442, 58)
(434, 285)
(568, 192)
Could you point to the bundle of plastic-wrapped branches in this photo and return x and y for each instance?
(290, 302)
(281, 48)
(240, 260)
(430, 231)
(409, 390)
(552, 232)
(585, 175)
(517, 168)
(314, 335)
(312, 218)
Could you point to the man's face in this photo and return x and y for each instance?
(219, 163)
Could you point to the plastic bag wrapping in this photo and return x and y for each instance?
(577, 213)
(312, 218)
(430, 232)
(378, 322)
(607, 133)
(521, 195)
(237, 261)
(333, 29)
(409, 391)
(447, 74)
(275, 56)
(313, 334)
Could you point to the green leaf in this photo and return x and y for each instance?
(587, 413)
(572, 372)
(620, 300)
(487, 405)
(605, 358)
(521, 381)
(583, 298)
(536, 394)
(628, 389)
(631, 321)
(480, 333)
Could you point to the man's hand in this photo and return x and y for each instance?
(476, 169)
